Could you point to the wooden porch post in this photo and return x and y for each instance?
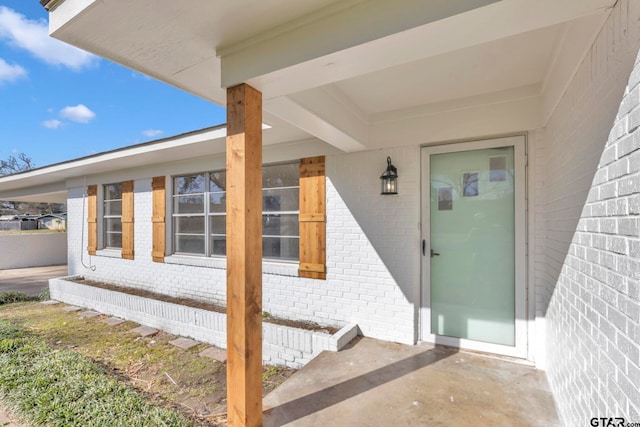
(244, 256)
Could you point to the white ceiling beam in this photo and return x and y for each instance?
(369, 37)
(323, 118)
(338, 27)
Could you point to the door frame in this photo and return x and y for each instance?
(521, 288)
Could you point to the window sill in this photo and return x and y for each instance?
(280, 268)
(109, 253)
(196, 261)
(268, 267)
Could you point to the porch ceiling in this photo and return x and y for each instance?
(353, 72)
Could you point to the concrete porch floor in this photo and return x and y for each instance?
(377, 383)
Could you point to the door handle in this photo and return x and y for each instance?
(424, 245)
(433, 253)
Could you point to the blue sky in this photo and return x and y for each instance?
(59, 103)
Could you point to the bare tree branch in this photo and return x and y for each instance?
(16, 164)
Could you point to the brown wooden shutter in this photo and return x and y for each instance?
(92, 219)
(312, 218)
(127, 220)
(158, 218)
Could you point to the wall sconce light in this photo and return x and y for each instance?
(389, 179)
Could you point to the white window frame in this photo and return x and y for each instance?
(207, 214)
(105, 217)
(205, 200)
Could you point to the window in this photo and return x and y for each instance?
(189, 213)
(199, 213)
(112, 209)
(280, 208)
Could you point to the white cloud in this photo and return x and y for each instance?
(80, 113)
(52, 124)
(152, 132)
(33, 36)
(10, 73)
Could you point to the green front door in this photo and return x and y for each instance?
(471, 243)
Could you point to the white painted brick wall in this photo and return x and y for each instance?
(372, 250)
(282, 345)
(589, 289)
(372, 253)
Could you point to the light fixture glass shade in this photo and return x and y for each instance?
(389, 179)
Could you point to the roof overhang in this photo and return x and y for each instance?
(316, 61)
(49, 183)
(357, 74)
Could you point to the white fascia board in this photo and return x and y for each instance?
(65, 12)
(147, 153)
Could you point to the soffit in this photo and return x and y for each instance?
(174, 41)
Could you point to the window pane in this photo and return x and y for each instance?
(193, 203)
(191, 193)
(280, 199)
(218, 224)
(112, 191)
(112, 207)
(218, 245)
(281, 248)
(113, 225)
(189, 224)
(217, 202)
(280, 175)
(190, 244)
(113, 240)
(189, 184)
(280, 225)
(218, 181)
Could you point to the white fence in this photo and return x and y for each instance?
(32, 250)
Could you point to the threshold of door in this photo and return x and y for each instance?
(511, 359)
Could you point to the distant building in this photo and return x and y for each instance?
(56, 222)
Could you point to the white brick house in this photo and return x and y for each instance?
(546, 94)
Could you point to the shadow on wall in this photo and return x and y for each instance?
(575, 139)
(359, 216)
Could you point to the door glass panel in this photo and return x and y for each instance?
(473, 246)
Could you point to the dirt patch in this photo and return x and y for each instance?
(311, 326)
(165, 374)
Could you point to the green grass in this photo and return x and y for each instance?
(52, 387)
(11, 297)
